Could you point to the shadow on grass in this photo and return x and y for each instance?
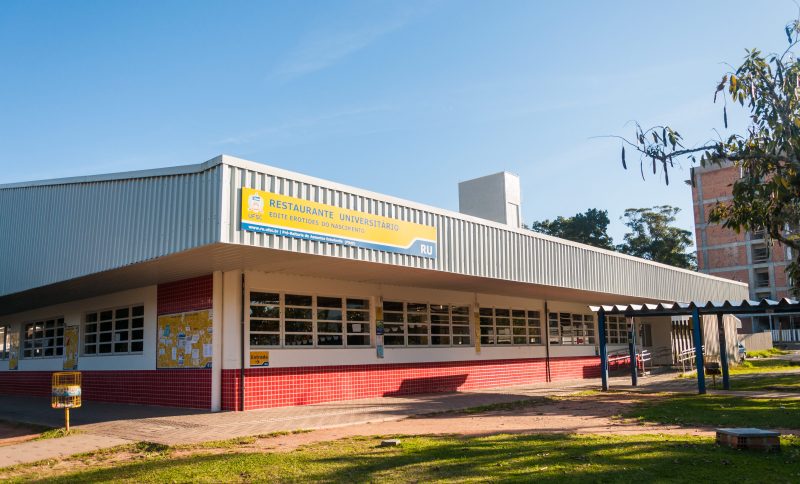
(720, 411)
(548, 458)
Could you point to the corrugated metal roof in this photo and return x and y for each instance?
(745, 306)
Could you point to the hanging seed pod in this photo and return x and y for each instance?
(725, 116)
(623, 158)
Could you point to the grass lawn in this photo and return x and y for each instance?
(766, 353)
(766, 365)
(543, 458)
(719, 411)
(765, 382)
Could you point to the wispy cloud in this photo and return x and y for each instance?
(321, 51)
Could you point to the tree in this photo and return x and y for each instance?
(767, 88)
(653, 237)
(590, 227)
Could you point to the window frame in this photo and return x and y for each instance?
(85, 333)
(532, 330)
(58, 350)
(586, 328)
(618, 324)
(463, 318)
(4, 341)
(315, 320)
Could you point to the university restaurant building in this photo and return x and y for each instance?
(232, 285)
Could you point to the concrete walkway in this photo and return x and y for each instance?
(107, 425)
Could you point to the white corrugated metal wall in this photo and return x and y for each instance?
(55, 232)
(473, 248)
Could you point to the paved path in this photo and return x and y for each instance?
(106, 425)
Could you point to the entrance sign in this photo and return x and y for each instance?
(286, 216)
(259, 358)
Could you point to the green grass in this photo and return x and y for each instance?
(719, 411)
(787, 382)
(517, 458)
(56, 433)
(766, 353)
(761, 366)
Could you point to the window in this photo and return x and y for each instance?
(297, 320)
(4, 330)
(502, 326)
(616, 330)
(760, 254)
(762, 278)
(44, 339)
(422, 324)
(645, 335)
(114, 331)
(571, 329)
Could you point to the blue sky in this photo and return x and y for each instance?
(405, 98)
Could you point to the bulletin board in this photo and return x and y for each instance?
(70, 348)
(184, 340)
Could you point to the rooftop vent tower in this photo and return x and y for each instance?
(493, 197)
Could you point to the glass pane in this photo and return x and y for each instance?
(519, 340)
(393, 340)
(440, 319)
(299, 340)
(104, 348)
(357, 303)
(487, 330)
(417, 308)
(121, 348)
(91, 317)
(138, 311)
(461, 340)
(417, 329)
(90, 338)
(392, 306)
(485, 311)
(393, 317)
(461, 310)
(297, 300)
(298, 326)
(533, 314)
(329, 327)
(440, 309)
(121, 336)
(330, 340)
(137, 323)
(121, 313)
(121, 324)
(264, 339)
(487, 340)
(393, 328)
(440, 340)
(502, 312)
(502, 321)
(358, 340)
(265, 311)
(460, 329)
(91, 328)
(90, 349)
(520, 331)
(137, 334)
(417, 341)
(105, 315)
(359, 328)
(417, 318)
(329, 314)
(329, 302)
(105, 326)
(517, 313)
(357, 316)
(440, 329)
(137, 346)
(265, 325)
(105, 337)
(265, 298)
(519, 321)
(298, 313)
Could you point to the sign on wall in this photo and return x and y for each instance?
(286, 216)
(184, 340)
(13, 350)
(71, 348)
(259, 358)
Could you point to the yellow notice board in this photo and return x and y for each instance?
(71, 348)
(13, 350)
(275, 214)
(259, 358)
(184, 340)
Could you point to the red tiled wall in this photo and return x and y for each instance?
(278, 387)
(186, 295)
(172, 388)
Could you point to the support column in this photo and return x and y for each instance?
(601, 329)
(632, 351)
(216, 342)
(723, 352)
(698, 351)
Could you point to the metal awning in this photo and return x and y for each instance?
(696, 310)
(746, 306)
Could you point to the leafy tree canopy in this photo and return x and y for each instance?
(767, 88)
(653, 237)
(590, 227)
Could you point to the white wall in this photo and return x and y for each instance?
(292, 357)
(73, 312)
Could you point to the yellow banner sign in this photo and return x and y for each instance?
(286, 216)
(259, 358)
(70, 348)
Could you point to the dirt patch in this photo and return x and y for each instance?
(596, 415)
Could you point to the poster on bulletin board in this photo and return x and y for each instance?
(71, 348)
(184, 340)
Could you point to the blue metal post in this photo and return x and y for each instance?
(632, 352)
(723, 353)
(698, 351)
(601, 329)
